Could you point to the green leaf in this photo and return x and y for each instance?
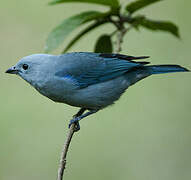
(82, 33)
(136, 5)
(111, 3)
(60, 33)
(159, 25)
(104, 44)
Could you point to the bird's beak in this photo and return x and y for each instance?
(12, 70)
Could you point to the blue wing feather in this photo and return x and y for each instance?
(105, 68)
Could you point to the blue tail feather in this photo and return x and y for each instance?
(160, 69)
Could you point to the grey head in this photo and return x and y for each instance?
(30, 67)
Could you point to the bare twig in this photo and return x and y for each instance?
(119, 40)
(64, 152)
(121, 30)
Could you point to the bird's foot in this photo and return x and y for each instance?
(80, 116)
(75, 121)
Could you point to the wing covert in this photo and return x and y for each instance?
(103, 70)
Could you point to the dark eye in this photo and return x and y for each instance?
(25, 66)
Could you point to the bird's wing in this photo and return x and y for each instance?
(92, 68)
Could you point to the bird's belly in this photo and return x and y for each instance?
(95, 96)
(98, 96)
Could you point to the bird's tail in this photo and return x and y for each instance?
(160, 69)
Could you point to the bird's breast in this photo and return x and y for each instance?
(55, 89)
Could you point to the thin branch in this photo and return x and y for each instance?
(64, 152)
(119, 24)
(120, 36)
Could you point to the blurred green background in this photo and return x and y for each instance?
(146, 135)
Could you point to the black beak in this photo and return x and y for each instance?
(11, 70)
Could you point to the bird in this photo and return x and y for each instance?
(90, 81)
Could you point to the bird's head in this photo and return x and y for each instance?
(30, 68)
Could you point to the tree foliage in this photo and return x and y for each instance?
(122, 21)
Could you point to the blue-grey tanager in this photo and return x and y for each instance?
(91, 81)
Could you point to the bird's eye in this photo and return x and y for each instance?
(25, 66)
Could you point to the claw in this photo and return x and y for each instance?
(76, 122)
(77, 127)
(80, 116)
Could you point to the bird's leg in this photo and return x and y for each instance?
(78, 118)
(79, 113)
